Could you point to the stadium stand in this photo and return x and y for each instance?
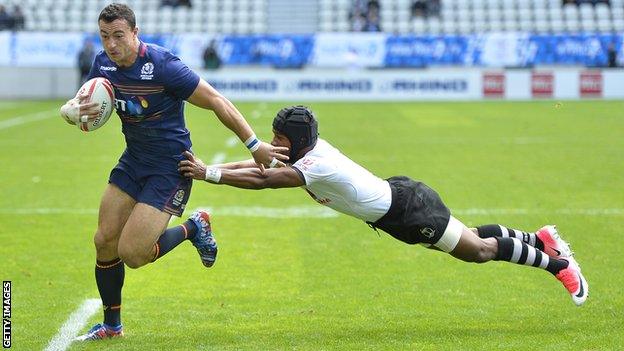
(279, 16)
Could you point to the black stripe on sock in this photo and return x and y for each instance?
(524, 254)
(505, 249)
(489, 231)
(510, 232)
(538, 258)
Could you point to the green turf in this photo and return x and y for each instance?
(314, 284)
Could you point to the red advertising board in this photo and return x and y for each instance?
(494, 84)
(590, 84)
(542, 84)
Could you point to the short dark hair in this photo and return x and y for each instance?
(116, 11)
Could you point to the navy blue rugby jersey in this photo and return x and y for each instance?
(149, 99)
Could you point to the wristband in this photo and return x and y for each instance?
(213, 175)
(252, 143)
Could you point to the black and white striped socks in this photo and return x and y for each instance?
(497, 230)
(516, 251)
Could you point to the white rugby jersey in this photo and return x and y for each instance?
(333, 180)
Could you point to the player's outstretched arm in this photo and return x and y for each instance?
(247, 178)
(264, 154)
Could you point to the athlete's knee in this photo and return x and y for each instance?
(132, 257)
(132, 260)
(104, 241)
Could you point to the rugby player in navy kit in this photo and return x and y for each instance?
(145, 187)
(408, 210)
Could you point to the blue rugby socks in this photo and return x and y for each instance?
(109, 276)
(172, 237)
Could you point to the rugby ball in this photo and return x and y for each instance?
(99, 90)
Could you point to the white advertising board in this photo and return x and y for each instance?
(337, 85)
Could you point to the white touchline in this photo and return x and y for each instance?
(15, 121)
(73, 324)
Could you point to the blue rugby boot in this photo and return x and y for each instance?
(204, 241)
(101, 331)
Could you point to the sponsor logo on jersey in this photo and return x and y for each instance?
(108, 68)
(147, 71)
(136, 105)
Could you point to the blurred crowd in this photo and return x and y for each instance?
(364, 16)
(425, 8)
(176, 3)
(592, 2)
(11, 20)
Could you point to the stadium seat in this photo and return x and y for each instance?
(618, 24)
(542, 26)
(419, 26)
(245, 16)
(480, 26)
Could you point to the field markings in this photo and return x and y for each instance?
(231, 141)
(312, 211)
(76, 321)
(33, 117)
(218, 158)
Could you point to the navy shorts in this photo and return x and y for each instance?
(164, 189)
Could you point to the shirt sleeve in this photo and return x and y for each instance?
(314, 169)
(181, 81)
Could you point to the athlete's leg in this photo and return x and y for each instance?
(115, 208)
(472, 248)
(138, 238)
(547, 238)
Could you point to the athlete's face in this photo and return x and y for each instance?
(120, 41)
(280, 140)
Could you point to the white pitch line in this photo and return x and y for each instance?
(73, 324)
(219, 157)
(313, 211)
(231, 141)
(16, 121)
(273, 212)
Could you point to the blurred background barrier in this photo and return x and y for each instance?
(342, 50)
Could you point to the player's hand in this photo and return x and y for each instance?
(192, 167)
(79, 110)
(89, 109)
(268, 155)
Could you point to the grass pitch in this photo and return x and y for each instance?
(330, 282)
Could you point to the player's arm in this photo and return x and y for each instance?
(205, 96)
(251, 163)
(247, 178)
